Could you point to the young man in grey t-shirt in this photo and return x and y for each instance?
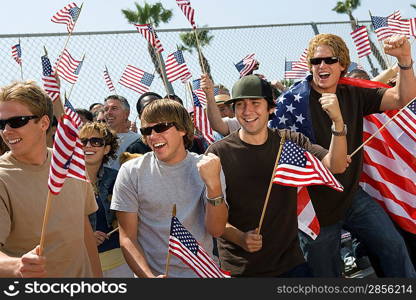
(147, 188)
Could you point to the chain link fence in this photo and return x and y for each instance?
(272, 44)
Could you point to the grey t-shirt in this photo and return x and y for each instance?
(150, 187)
(232, 123)
(124, 140)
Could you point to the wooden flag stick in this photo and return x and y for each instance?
(112, 231)
(45, 223)
(381, 128)
(282, 141)
(168, 256)
(198, 46)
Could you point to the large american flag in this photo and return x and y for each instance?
(184, 246)
(297, 167)
(201, 120)
(50, 83)
(150, 35)
(361, 41)
(176, 67)
(67, 15)
(136, 79)
(108, 80)
(199, 92)
(68, 158)
(246, 65)
(68, 68)
(17, 53)
(389, 170)
(381, 27)
(188, 11)
(291, 72)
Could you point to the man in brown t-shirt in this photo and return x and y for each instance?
(247, 158)
(70, 248)
(353, 209)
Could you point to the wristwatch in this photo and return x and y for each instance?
(339, 133)
(408, 67)
(216, 201)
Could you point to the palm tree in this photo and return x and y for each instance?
(153, 14)
(189, 44)
(346, 7)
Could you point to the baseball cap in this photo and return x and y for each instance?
(251, 87)
(221, 99)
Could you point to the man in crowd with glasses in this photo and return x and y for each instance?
(300, 110)
(70, 248)
(147, 188)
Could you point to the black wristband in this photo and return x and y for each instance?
(408, 67)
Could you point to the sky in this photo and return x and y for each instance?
(105, 15)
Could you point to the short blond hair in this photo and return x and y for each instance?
(337, 44)
(31, 95)
(167, 110)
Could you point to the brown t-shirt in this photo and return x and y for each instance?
(248, 169)
(23, 194)
(355, 103)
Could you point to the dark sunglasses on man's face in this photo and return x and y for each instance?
(94, 142)
(327, 60)
(16, 122)
(160, 127)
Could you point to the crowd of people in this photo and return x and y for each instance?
(118, 223)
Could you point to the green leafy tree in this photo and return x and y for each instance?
(346, 7)
(153, 14)
(190, 44)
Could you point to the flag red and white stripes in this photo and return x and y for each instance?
(307, 219)
(67, 15)
(68, 158)
(301, 64)
(50, 83)
(108, 80)
(150, 35)
(188, 11)
(176, 67)
(69, 67)
(184, 246)
(361, 41)
(201, 120)
(17, 53)
(399, 26)
(389, 170)
(136, 79)
(412, 26)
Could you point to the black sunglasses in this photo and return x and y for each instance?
(161, 127)
(327, 60)
(94, 142)
(16, 122)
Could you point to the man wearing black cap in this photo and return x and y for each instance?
(247, 157)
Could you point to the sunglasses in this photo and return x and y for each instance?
(161, 127)
(94, 142)
(327, 60)
(16, 122)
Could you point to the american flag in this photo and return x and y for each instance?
(150, 35)
(246, 65)
(291, 73)
(396, 15)
(108, 80)
(176, 67)
(381, 27)
(361, 41)
(17, 53)
(302, 63)
(67, 15)
(68, 158)
(68, 67)
(307, 219)
(188, 11)
(412, 26)
(199, 92)
(184, 246)
(297, 167)
(136, 79)
(399, 26)
(389, 170)
(50, 83)
(201, 120)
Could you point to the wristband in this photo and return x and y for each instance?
(408, 67)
